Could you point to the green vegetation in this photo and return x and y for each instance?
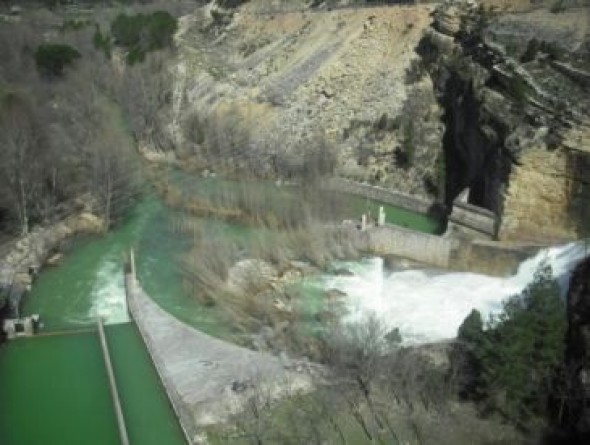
(404, 155)
(143, 33)
(536, 46)
(558, 6)
(509, 362)
(51, 59)
(74, 25)
(102, 42)
(520, 91)
(231, 3)
(61, 132)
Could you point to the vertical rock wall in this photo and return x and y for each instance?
(519, 146)
(547, 198)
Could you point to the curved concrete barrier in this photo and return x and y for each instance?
(208, 379)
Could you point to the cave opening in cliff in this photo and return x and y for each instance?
(473, 147)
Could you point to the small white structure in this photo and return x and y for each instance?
(381, 218)
(364, 222)
(20, 327)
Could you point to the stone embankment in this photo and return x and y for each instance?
(23, 258)
(468, 244)
(472, 221)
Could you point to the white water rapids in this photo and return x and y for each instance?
(428, 306)
(109, 301)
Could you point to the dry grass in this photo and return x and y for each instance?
(278, 227)
(260, 297)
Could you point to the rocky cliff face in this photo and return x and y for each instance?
(516, 134)
(277, 83)
(468, 100)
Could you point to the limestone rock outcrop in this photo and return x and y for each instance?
(515, 140)
(431, 106)
(277, 81)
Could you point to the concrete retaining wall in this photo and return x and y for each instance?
(472, 220)
(490, 257)
(182, 412)
(446, 252)
(417, 246)
(387, 196)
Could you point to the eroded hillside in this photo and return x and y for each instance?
(346, 81)
(483, 100)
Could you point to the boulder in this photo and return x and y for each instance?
(243, 273)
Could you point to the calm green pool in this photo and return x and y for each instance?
(89, 282)
(148, 413)
(54, 391)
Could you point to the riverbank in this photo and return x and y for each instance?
(24, 257)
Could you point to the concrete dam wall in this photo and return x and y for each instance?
(417, 246)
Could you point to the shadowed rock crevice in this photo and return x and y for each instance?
(515, 135)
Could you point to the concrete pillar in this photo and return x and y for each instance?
(28, 325)
(9, 329)
(463, 196)
(381, 218)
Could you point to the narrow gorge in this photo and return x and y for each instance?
(336, 221)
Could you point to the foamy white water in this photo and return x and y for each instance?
(428, 306)
(108, 294)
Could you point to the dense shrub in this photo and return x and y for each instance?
(142, 33)
(51, 59)
(513, 360)
(409, 143)
(231, 3)
(557, 7)
(535, 46)
(102, 42)
(74, 25)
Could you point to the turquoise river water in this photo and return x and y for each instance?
(53, 387)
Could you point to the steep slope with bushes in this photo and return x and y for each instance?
(261, 88)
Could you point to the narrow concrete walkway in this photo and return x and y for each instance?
(207, 379)
(123, 436)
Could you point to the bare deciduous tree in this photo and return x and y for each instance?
(20, 142)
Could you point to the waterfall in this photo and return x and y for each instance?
(108, 293)
(429, 305)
